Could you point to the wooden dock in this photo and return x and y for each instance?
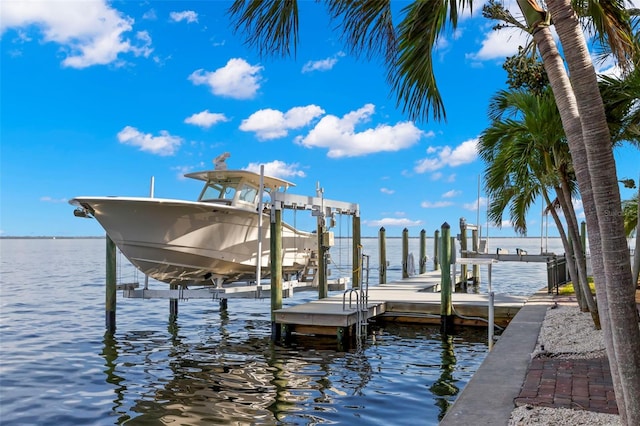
(415, 299)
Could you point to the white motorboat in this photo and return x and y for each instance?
(213, 240)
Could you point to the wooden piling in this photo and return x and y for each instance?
(475, 247)
(173, 305)
(463, 250)
(323, 290)
(276, 271)
(382, 253)
(423, 251)
(405, 253)
(110, 287)
(446, 309)
(356, 261)
(436, 244)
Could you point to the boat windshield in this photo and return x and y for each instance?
(225, 191)
(248, 194)
(219, 190)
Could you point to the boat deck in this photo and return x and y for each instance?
(415, 299)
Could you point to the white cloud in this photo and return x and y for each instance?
(237, 79)
(323, 64)
(435, 204)
(500, 44)
(150, 15)
(277, 168)
(393, 221)
(506, 224)
(474, 205)
(206, 119)
(183, 170)
(89, 32)
(577, 203)
(387, 191)
(340, 137)
(47, 199)
(578, 207)
(464, 153)
(271, 124)
(451, 194)
(164, 144)
(188, 15)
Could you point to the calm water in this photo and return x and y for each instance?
(213, 366)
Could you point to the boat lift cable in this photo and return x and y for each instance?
(339, 267)
(295, 226)
(340, 239)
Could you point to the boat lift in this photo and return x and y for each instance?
(325, 211)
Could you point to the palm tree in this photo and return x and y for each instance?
(622, 97)
(408, 48)
(602, 205)
(583, 119)
(526, 155)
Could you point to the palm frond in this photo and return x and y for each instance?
(411, 73)
(269, 26)
(630, 212)
(611, 26)
(367, 26)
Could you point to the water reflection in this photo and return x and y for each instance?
(58, 368)
(445, 387)
(110, 355)
(232, 373)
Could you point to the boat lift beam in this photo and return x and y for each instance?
(284, 200)
(323, 209)
(132, 291)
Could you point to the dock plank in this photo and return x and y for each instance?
(401, 300)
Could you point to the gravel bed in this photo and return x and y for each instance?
(566, 333)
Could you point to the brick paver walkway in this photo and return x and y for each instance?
(569, 383)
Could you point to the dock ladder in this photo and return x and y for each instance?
(362, 299)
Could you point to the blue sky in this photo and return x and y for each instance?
(98, 97)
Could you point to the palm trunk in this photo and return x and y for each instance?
(567, 106)
(606, 199)
(568, 249)
(578, 251)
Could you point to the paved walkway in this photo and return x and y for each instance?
(583, 384)
(488, 397)
(509, 377)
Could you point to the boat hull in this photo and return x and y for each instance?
(183, 242)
